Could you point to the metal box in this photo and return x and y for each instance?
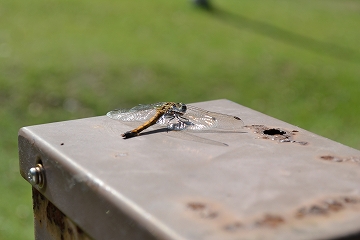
(272, 180)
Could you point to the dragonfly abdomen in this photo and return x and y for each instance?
(136, 131)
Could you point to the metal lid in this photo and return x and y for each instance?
(272, 180)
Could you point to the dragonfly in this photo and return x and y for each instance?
(175, 117)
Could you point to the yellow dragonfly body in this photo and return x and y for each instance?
(175, 116)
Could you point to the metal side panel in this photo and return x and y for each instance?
(51, 223)
(272, 180)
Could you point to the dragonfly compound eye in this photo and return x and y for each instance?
(183, 108)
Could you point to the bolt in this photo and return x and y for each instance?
(36, 175)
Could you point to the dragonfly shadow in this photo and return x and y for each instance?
(186, 135)
(277, 33)
(159, 130)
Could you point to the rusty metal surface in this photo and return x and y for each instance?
(273, 180)
(51, 223)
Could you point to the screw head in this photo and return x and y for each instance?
(36, 175)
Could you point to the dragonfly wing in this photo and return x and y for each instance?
(201, 120)
(140, 113)
(163, 120)
(142, 107)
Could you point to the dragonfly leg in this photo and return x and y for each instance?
(183, 120)
(180, 124)
(172, 117)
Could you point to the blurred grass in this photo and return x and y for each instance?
(298, 61)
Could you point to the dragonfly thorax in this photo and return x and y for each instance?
(173, 116)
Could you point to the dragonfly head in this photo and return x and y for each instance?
(179, 107)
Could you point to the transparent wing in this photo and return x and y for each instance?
(194, 119)
(138, 113)
(202, 120)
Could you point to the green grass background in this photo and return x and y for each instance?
(298, 61)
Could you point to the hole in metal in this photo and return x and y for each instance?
(275, 134)
(274, 131)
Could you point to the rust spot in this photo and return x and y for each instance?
(317, 210)
(300, 213)
(270, 220)
(334, 205)
(37, 199)
(312, 210)
(231, 227)
(333, 158)
(351, 200)
(56, 223)
(203, 210)
(327, 157)
(196, 206)
(122, 154)
(79, 230)
(326, 207)
(208, 214)
(275, 134)
(354, 159)
(321, 208)
(55, 216)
